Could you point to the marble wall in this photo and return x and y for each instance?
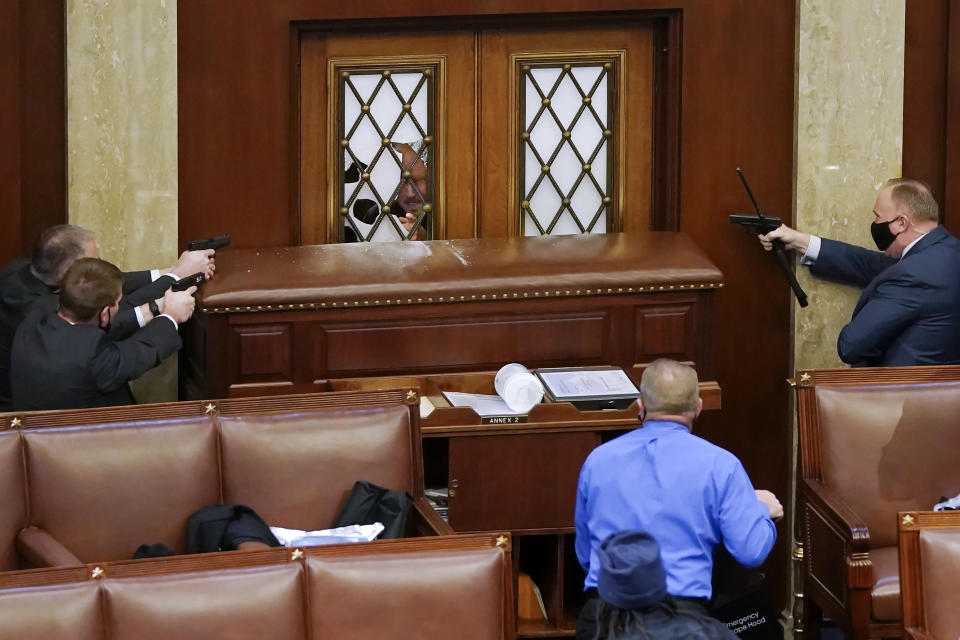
(849, 137)
(122, 137)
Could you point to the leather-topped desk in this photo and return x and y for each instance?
(285, 320)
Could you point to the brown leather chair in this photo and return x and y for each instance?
(440, 587)
(382, 597)
(871, 445)
(930, 574)
(102, 490)
(100, 483)
(13, 504)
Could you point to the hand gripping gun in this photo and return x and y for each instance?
(762, 225)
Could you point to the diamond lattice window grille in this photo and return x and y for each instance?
(566, 172)
(386, 124)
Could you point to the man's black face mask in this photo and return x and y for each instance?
(882, 235)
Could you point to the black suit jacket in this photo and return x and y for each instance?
(909, 310)
(20, 290)
(58, 365)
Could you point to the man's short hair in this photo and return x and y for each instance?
(669, 388)
(89, 285)
(56, 249)
(916, 197)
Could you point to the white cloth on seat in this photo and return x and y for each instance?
(350, 533)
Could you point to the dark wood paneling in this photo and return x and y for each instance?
(43, 109)
(952, 172)
(925, 92)
(516, 482)
(665, 332)
(32, 122)
(9, 130)
(264, 352)
(736, 87)
(931, 101)
(254, 350)
(529, 339)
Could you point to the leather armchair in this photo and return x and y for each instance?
(871, 445)
(930, 574)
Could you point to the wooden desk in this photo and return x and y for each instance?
(285, 320)
(518, 477)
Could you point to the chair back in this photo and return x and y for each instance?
(882, 439)
(930, 573)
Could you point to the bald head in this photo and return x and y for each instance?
(58, 248)
(915, 198)
(670, 388)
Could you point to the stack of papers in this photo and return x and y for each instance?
(485, 405)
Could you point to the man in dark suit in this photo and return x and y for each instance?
(909, 310)
(24, 283)
(64, 359)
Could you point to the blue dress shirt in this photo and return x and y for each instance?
(687, 493)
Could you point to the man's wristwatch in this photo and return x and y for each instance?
(154, 308)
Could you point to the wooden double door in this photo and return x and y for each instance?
(477, 132)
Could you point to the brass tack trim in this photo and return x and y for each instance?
(454, 298)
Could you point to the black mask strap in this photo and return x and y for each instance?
(109, 320)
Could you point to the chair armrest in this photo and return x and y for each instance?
(426, 520)
(837, 513)
(40, 549)
(836, 535)
(918, 634)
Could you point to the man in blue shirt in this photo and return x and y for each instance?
(689, 494)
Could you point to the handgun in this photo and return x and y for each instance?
(755, 224)
(218, 242)
(185, 283)
(761, 224)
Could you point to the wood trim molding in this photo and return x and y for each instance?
(554, 293)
